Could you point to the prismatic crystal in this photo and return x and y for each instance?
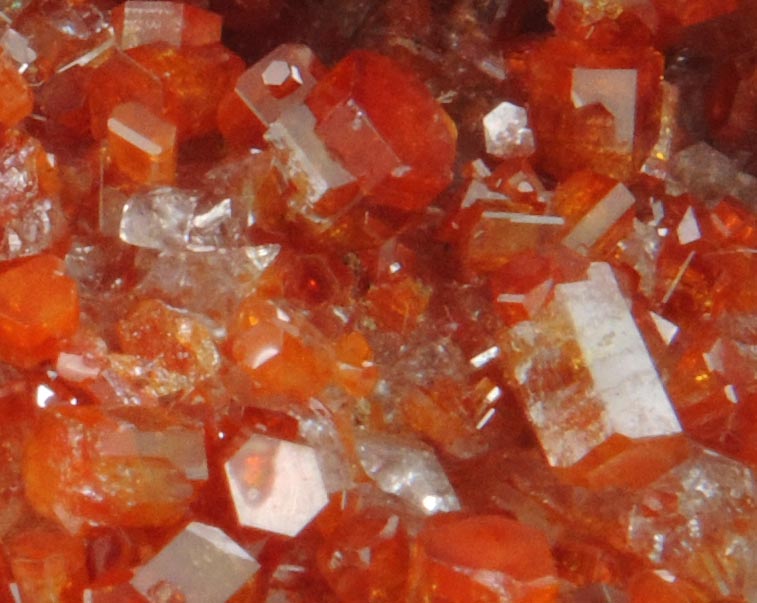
(378, 301)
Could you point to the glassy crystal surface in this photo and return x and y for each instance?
(507, 133)
(583, 360)
(160, 219)
(409, 470)
(700, 521)
(275, 485)
(200, 565)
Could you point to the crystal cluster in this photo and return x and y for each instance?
(378, 301)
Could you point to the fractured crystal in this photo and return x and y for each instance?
(159, 219)
(408, 469)
(200, 565)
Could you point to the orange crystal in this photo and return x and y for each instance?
(462, 559)
(39, 306)
(142, 145)
(138, 23)
(71, 476)
(386, 128)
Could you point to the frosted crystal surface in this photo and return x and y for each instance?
(201, 565)
(275, 485)
(408, 469)
(506, 131)
(699, 521)
(709, 174)
(159, 219)
(29, 219)
(615, 90)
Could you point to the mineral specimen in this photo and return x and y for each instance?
(378, 301)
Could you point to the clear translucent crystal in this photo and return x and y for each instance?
(408, 469)
(159, 219)
(200, 565)
(225, 277)
(699, 521)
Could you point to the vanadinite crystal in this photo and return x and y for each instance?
(378, 301)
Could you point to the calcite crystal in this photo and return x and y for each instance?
(378, 301)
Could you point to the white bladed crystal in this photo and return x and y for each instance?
(275, 485)
(584, 373)
(688, 228)
(408, 469)
(599, 219)
(202, 565)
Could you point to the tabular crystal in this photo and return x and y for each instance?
(142, 144)
(39, 305)
(584, 373)
(137, 23)
(275, 485)
(200, 565)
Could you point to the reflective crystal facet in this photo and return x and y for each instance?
(275, 485)
(584, 373)
(409, 470)
(200, 565)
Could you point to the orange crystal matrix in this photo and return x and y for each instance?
(378, 301)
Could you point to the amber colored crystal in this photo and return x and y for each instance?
(510, 558)
(39, 306)
(267, 344)
(182, 85)
(70, 477)
(177, 340)
(384, 301)
(373, 114)
(47, 565)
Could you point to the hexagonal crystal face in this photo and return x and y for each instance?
(200, 565)
(275, 485)
(282, 78)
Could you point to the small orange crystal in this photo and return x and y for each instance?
(39, 305)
